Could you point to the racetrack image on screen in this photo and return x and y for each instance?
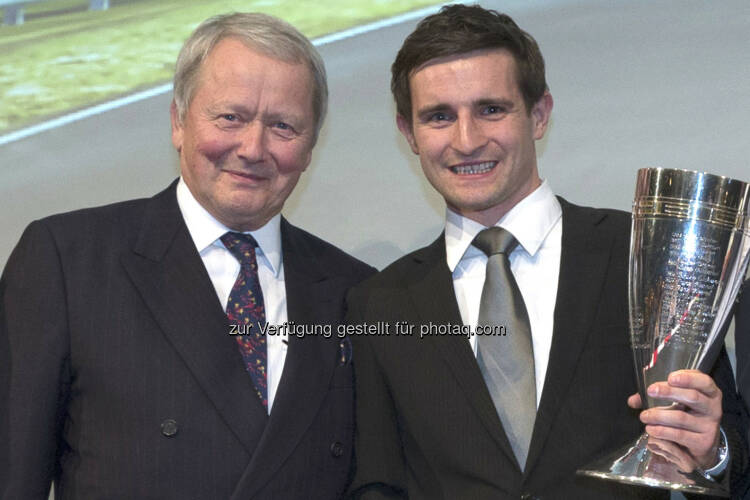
(60, 56)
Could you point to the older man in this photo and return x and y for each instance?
(514, 412)
(135, 359)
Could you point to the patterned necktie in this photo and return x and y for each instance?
(506, 361)
(245, 309)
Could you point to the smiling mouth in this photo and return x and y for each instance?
(245, 175)
(477, 168)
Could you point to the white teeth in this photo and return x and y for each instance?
(479, 168)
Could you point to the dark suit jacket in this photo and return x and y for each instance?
(119, 380)
(742, 343)
(426, 424)
(742, 340)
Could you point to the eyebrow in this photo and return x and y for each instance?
(501, 101)
(486, 101)
(432, 109)
(224, 107)
(292, 118)
(229, 106)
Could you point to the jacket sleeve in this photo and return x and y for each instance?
(732, 422)
(34, 366)
(378, 455)
(742, 342)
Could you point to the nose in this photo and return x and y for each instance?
(468, 136)
(252, 145)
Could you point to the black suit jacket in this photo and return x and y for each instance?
(742, 343)
(426, 424)
(118, 378)
(742, 340)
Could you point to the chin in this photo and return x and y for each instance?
(473, 204)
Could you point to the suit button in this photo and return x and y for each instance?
(529, 496)
(169, 428)
(337, 449)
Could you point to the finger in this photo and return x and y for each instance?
(672, 453)
(685, 420)
(702, 446)
(634, 401)
(695, 400)
(694, 379)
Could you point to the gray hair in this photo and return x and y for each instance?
(266, 34)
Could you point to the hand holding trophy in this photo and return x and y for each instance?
(689, 250)
(690, 437)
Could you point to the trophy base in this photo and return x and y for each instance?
(635, 464)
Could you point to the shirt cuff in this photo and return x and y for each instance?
(718, 469)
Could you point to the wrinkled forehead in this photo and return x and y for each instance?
(232, 60)
(217, 56)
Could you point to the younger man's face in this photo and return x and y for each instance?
(473, 133)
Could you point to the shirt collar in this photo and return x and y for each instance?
(529, 221)
(206, 230)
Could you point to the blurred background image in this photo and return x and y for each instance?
(85, 88)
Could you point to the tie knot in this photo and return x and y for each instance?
(242, 246)
(494, 240)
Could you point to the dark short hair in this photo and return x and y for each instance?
(459, 29)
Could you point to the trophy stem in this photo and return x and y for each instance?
(636, 464)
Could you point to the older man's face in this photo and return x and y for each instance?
(247, 134)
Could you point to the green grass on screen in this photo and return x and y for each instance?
(65, 58)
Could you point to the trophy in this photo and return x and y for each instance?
(689, 249)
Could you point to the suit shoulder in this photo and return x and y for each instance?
(325, 253)
(86, 231)
(60, 239)
(618, 220)
(105, 214)
(400, 272)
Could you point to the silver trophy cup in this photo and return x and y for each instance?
(689, 250)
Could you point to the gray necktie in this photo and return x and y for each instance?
(506, 361)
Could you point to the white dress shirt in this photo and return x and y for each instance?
(223, 269)
(536, 223)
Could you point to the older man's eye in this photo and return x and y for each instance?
(230, 117)
(284, 129)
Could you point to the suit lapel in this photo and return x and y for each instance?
(170, 276)
(309, 363)
(583, 268)
(435, 299)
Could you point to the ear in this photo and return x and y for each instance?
(408, 132)
(176, 126)
(540, 114)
